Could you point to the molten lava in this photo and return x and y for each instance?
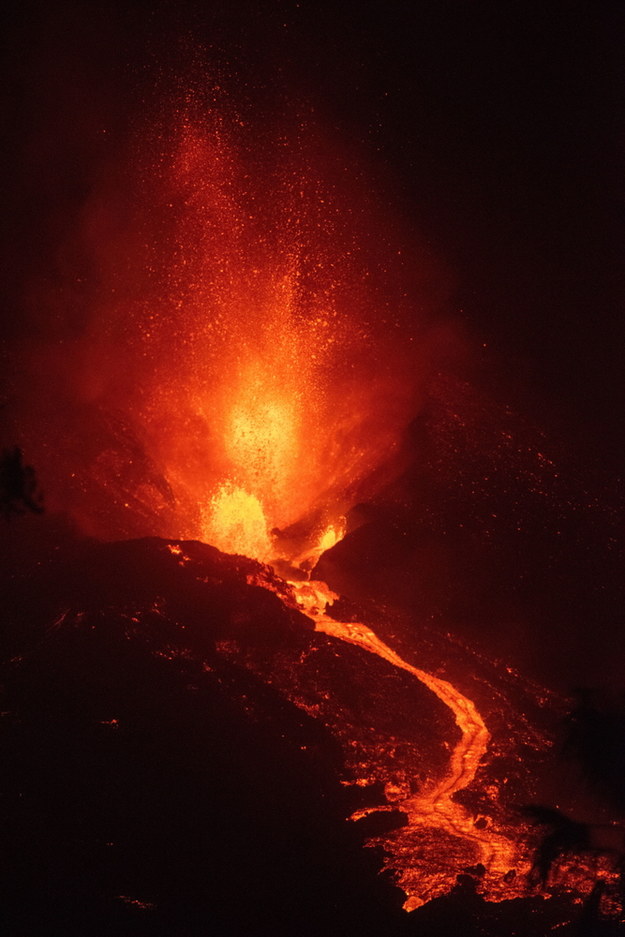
(433, 807)
(234, 521)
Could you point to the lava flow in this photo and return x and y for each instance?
(433, 807)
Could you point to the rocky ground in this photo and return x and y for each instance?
(176, 744)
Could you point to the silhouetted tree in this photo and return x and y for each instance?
(19, 490)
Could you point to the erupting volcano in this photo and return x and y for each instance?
(246, 362)
(241, 356)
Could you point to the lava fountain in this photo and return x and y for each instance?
(236, 346)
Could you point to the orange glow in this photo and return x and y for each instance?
(331, 536)
(313, 598)
(305, 553)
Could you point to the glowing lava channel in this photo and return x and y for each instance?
(433, 807)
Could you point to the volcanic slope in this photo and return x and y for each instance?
(182, 749)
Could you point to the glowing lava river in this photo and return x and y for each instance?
(434, 806)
